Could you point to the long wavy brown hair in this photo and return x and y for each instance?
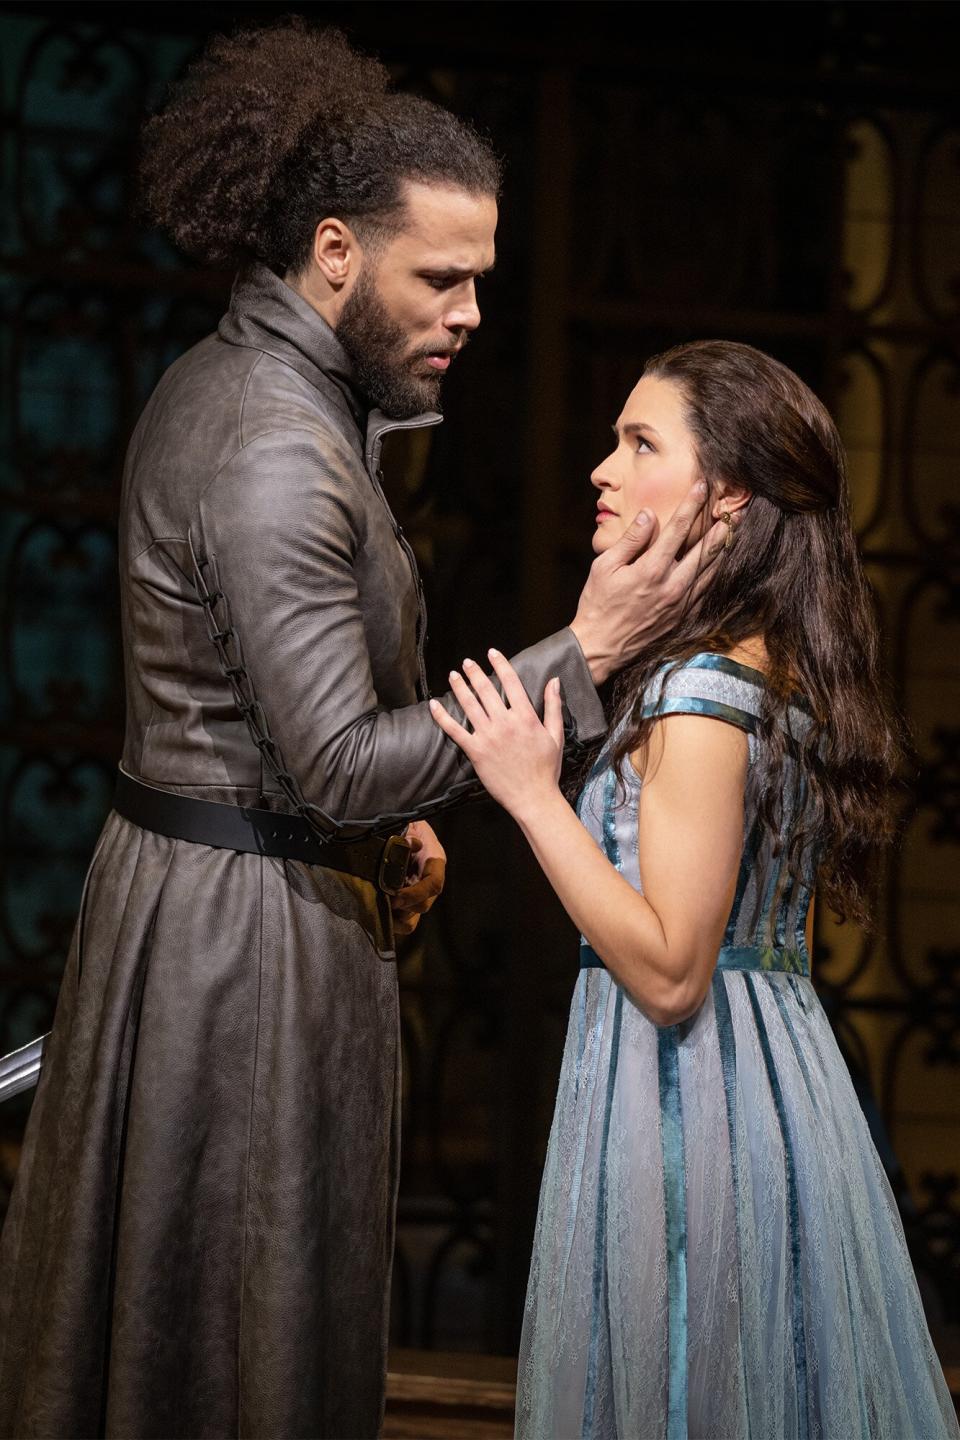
(794, 578)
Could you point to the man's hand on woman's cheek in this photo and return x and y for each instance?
(636, 590)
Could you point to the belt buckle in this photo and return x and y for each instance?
(394, 863)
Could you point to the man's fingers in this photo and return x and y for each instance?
(429, 883)
(721, 534)
(676, 531)
(434, 874)
(423, 892)
(633, 541)
(699, 558)
(418, 898)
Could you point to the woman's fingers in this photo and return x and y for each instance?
(465, 696)
(481, 702)
(553, 712)
(510, 680)
(486, 691)
(451, 727)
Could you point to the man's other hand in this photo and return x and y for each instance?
(428, 869)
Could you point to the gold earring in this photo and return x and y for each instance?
(727, 519)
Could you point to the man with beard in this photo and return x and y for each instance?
(200, 1238)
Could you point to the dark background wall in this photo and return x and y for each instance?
(786, 174)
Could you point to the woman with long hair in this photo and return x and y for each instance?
(717, 1252)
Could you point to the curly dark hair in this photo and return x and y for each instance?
(272, 129)
(795, 578)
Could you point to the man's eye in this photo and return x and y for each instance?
(440, 282)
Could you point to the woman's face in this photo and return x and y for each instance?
(652, 466)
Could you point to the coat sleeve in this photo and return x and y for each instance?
(274, 541)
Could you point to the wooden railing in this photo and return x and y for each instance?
(436, 1396)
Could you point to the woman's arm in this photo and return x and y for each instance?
(662, 945)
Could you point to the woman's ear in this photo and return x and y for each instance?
(730, 498)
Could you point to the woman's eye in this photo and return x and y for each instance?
(643, 445)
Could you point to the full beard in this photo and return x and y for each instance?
(376, 344)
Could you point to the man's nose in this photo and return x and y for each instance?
(465, 315)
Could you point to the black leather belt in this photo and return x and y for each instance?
(382, 861)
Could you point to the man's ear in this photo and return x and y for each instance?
(336, 252)
(729, 497)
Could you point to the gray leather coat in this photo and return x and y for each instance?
(200, 1237)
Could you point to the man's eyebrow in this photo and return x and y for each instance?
(455, 272)
(636, 427)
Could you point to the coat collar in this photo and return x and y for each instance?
(267, 314)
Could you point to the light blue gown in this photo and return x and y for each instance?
(718, 1252)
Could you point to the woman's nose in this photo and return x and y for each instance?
(602, 477)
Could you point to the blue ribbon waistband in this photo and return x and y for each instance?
(733, 957)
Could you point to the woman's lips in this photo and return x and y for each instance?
(602, 512)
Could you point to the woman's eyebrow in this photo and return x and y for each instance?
(635, 427)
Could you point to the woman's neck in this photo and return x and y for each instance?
(752, 652)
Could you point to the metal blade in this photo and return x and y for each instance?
(21, 1068)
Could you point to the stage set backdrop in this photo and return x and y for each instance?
(786, 175)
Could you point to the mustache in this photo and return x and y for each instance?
(426, 350)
